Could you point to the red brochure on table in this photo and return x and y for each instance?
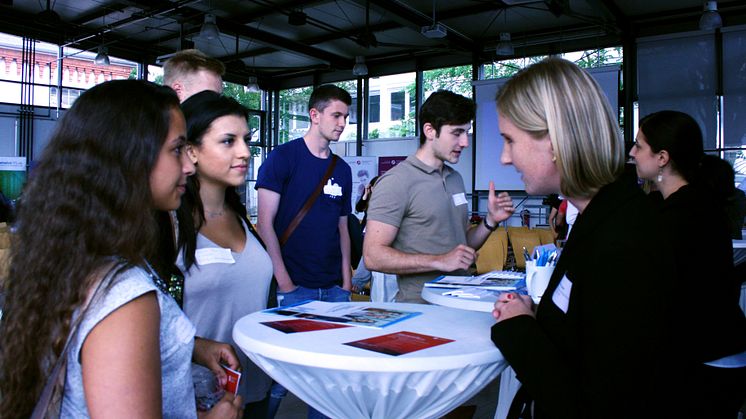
(399, 343)
(301, 325)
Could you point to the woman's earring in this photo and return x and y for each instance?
(660, 175)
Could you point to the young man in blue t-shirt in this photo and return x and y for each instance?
(314, 262)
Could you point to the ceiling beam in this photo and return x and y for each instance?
(253, 16)
(284, 44)
(98, 12)
(415, 20)
(230, 27)
(350, 34)
(133, 18)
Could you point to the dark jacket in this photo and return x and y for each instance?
(703, 252)
(606, 357)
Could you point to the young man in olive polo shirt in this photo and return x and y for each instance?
(418, 216)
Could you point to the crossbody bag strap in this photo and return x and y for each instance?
(56, 379)
(309, 202)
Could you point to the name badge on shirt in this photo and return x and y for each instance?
(561, 296)
(211, 255)
(459, 199)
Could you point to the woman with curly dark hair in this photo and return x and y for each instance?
(87, 218)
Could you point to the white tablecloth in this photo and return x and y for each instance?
(509, 384)
(435, 296)
(346, 382)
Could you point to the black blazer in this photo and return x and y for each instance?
(703, 252)
(606, 356)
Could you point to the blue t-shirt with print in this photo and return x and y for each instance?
(312, 254)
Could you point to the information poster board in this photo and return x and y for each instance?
(12, 176)
(363, 170)
(387, 162)
(489, 142)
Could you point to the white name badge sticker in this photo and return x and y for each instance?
(459, 199)
(211, 255)
(561, 296)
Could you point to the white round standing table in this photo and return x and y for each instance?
(436, 296)
(347, 382)
(509, 384)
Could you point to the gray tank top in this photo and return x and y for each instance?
(222, 287)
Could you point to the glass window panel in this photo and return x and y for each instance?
(397, 106)
(11, 71)
(251, 100)
(155, 74)
(81, 72)
(678, 73)
(593, 58)
(255, 126)
(382, 122)
(454, 79)
(737, 158)
(374, 108)
(734, 88)
(507, 68)
(350, 132)
(353, 112)
(293, 118)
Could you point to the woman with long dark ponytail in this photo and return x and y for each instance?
(227, 272)
(710, 325)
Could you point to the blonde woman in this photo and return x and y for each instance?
(596, 345)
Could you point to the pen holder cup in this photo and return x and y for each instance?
(537, 279)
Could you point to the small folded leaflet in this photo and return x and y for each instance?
(495, 280)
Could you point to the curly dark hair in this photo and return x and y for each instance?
(86, 200)
(200, 110)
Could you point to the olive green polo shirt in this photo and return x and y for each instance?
(427, 205)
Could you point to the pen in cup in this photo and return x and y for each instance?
(526, 256)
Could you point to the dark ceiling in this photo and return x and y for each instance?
(290, 42)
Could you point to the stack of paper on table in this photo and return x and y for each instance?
(346, 313)
(495, 280)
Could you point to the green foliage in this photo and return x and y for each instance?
(349, 85)
(508, 68)
(455, 79)
(374, 134)
(599, 57)
(404, 129)
(251, 100)
(288, 98)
